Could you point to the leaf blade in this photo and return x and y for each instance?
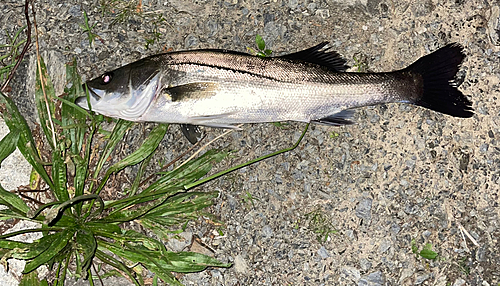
(26, 143)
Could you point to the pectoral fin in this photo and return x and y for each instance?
(195, 90)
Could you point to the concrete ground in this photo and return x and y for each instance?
(401, 173)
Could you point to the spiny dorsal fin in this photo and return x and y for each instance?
(321, 56)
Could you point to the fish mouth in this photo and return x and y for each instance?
(94, 96)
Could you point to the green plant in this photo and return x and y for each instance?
(360, 62)
(261, 48)
(426, 252)
(320, 224)
(155, 35)
(83, 228)
(249, 198)
(88, 29)
(9, 53)
(79, 224)
(281, 125)
(334, 135)
(123, 10)
(463, 266)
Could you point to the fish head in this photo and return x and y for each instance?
(124, 93)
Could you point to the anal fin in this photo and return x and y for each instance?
(337, 119)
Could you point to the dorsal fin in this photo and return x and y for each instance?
(321, 56)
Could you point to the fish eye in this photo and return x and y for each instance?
(106, 78)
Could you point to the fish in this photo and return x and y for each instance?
(222, 88)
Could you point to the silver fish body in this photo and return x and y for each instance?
(221, 88)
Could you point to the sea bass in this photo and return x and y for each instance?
(221, 88)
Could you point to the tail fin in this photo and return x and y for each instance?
(438, 72)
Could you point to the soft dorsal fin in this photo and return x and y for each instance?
(321, 56)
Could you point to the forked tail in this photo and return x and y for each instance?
(438, 71)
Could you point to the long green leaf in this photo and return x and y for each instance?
(116, 136)
(31, 279)
(70, 116)
(222, 173)
(11, 244)
(8, 144)
(147, 148)
(59, 176)
(127, 215)
(150, 262)
(26, 144)
(185, 262)
(108, 259)
(82, 168)
(103, 229)
(189, 172)
(13, 201)
(58, 244)
(88, 244)
(171, 182)
(36, 248)
(139, 176)
(44, 94)
(188, 262)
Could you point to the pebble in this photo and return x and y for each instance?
(267, 231)
(75, 11)
(323, 252)
(372, 279)
(351, 273)
(240, 264)
(190, 41)
(459, 282)
(421, 278)
(363, 210)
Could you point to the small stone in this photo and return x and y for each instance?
(267, 231)
(190, 41)
(351, 273)
(384, 246)
(426, 234)
(293, 3)
(365, 264)
(363, 210)
(483, 148)
(459, 282)
(372, 279)
(75, 11)
(395, 228)
(240, 264)
(323, 252)
(421, 278)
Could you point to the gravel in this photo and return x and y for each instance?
(401, 173)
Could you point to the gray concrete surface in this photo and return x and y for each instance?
(401, 173)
